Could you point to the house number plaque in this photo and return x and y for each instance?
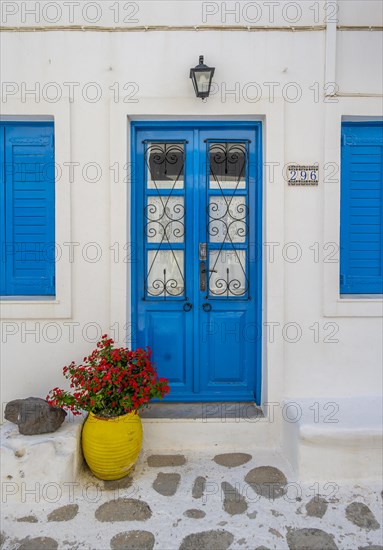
(298, 174)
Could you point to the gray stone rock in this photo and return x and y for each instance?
(198, 487)
(38, 543)
(134, 540)
(252, 515)
(261, 548)
(359, 514)
(64, 513)
(212, 540)
(267, 481)
(317, 507)
(166, 484)
(275, 533)
(232, 460)
(310, 539)
(34, 415)
(123, 509)
(3, 538)
(234, 503)
(371, 547)
(162, 461)
(117, 484)
(194, 513)
(28, 519)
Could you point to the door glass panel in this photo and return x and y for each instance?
(165, 273)
(165, 219)
(227, 165)
(227, 219)
(228, 278)
(165, 165)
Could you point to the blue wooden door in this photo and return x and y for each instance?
(196, 223)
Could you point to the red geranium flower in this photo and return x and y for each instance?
(113, 382)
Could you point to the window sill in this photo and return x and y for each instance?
(34, 307)
(355, 298)
(354, 305)
(29, 299)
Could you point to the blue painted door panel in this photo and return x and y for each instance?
(196, 222)
(361, 234)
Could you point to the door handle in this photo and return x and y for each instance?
(202, 275)
(188, 306)
(206, 307)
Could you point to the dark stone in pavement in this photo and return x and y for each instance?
(359, 514)
(310, 539)
(317, 507)
(34, 416)
(267, 481)
(38, 543)
(133, 540)
(194, 513)
(275, 533)
(234, 503)
(64, 513)
(162, 461)
(212, 540)
(198, 487)
(231, 460)
(28, 519)
(372, 547)
(261, 548)
(166, 484)
(116, 484)
(123, 509)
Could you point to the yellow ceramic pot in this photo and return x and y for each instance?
(111, 445)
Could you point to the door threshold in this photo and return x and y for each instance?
(203, 410)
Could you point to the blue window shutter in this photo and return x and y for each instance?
(361, 231)
(29, 198)
(2, 211)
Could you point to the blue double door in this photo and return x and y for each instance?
(196, 224)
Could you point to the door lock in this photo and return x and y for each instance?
(202, 275)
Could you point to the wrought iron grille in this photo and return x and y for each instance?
(228, 220)
(165, 220)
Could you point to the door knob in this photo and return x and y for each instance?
(188, 306)
(206, 307)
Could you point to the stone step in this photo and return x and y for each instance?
(198, 426)
(338, 438)
(39, 463)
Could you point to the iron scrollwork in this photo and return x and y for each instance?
(165, 220)
(165, 287)
(165, 215)
(228, 216)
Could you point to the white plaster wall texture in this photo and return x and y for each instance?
(157, 63)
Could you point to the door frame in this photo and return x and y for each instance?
(205, 124)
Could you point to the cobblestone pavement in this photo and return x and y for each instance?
(197, 501)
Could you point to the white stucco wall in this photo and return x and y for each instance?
(339, 352)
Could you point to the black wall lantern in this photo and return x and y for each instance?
(202, 76)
